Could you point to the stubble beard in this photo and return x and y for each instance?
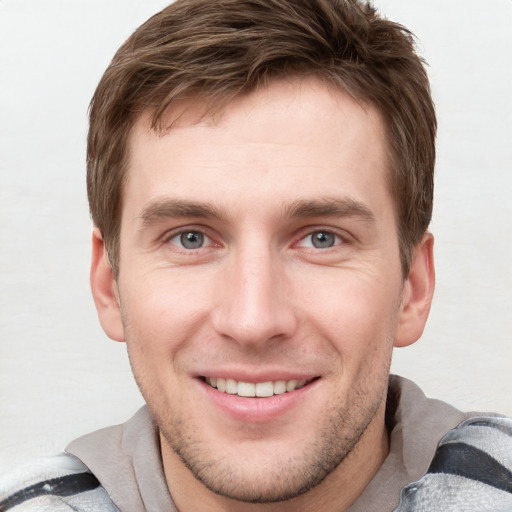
(283, 479)
(289, 477)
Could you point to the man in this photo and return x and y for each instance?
(260, 177)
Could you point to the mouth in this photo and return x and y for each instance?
(256, 390)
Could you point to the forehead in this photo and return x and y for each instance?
(311, 100)
(282, 142)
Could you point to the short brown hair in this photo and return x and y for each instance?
(218, 49)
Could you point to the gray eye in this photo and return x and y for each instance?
(322, 239)
(191, 239)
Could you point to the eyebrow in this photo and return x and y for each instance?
(330, 207)
(160, 210)
(168, 208)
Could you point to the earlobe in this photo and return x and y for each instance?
(417, 294)
(104, 290)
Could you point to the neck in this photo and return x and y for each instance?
(338, 491)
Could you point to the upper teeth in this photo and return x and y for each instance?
(260, 389)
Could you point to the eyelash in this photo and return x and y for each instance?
(340, 238)
(180, 233)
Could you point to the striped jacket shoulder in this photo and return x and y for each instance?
(471, 471)
(58, 483)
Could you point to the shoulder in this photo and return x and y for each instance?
(58, 483)
(471, 470)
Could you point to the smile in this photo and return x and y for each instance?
(250, 389)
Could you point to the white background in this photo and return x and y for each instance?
(60, 376)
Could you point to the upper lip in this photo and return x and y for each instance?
(255, 377)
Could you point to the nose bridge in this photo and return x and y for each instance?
(254, 307)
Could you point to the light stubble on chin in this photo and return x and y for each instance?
(283, 479)
(346, 421)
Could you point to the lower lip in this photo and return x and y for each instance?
(257, 410)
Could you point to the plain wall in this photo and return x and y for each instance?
(61, 377)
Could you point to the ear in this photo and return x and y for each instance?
(417, 294)
(104, 290)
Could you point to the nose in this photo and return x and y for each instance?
(253, 303)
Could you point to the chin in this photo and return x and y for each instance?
(270, 471)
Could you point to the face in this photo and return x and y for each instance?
(260, 285)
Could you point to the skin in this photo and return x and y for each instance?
(258, 300)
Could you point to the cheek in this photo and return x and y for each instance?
(357, 314)
(158, 322)
(160, 313)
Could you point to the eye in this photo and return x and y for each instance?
(189, 240)
(321, 239)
